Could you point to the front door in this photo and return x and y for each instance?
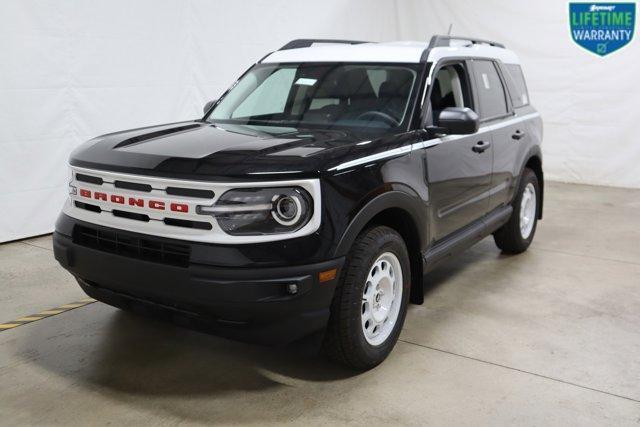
(457, 167)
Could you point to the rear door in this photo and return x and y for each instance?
(516, 138)
(497, 119)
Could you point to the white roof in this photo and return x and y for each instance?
(394, 52)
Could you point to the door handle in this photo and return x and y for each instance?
(481, 146)
(518, 135)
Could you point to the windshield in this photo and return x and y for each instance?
(324, 96)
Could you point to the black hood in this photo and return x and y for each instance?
(200, 150)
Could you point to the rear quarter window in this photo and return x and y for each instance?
(517, 86)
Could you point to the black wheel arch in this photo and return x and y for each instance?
(405, 213)
(533, 161)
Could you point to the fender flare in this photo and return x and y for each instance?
(416, 210)
(390, 199)
(534, 152)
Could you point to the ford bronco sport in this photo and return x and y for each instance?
(314, 195)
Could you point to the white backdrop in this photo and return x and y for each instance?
(71, 70)
(589, 104)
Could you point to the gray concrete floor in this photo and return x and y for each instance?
(549, 337)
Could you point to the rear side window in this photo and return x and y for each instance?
(493, 102)
(517, 86)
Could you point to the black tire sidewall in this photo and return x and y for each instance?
(529, 177)
(508, 237)
(390, 241)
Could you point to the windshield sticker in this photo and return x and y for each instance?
(306, 82)
(485, 79)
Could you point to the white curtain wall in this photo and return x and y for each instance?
(72, 70)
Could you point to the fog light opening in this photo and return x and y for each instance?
(292, 289)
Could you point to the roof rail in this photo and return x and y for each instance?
(300, 43)
(440, 41)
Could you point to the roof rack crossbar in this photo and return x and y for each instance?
(300, 43)
(445, 41)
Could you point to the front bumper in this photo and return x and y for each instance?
(244, 303)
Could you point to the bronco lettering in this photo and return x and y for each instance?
(133, 201)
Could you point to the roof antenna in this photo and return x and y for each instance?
(450, 27)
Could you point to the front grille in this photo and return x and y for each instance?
(88, 178)
(131, 246)
(87, 206)
(132, 186)
(130, 215)
(200, 225)
(190, 192)
(167, 209)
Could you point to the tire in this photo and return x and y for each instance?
(516, 235)
(362, 296)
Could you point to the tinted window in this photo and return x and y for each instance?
(490, 90)
(517, 86)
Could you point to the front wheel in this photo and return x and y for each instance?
(516, 235)
(370, 304)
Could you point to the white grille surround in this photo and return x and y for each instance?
(158, 195)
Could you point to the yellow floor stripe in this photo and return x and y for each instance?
(73, 305)
(29, 319)
(47, 313)
(8, 325)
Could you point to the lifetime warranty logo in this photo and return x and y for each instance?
(602, 28)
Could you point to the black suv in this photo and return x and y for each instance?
(314, 195)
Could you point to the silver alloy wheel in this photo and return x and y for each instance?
(527, 210)
(381, 298)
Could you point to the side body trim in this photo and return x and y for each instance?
(426, 144)
(466, 237)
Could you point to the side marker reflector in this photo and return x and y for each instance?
(325, 276)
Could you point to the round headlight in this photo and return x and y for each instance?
(259, 211)
(287, 209)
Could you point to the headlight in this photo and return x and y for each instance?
(258, 211)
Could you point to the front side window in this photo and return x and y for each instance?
(372, 96)
(493, 102)
(450, 89)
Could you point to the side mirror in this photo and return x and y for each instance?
(458, 121)
(208, 105)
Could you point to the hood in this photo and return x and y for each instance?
(200, 150)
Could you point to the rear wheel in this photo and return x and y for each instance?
(370, 304)
(517, 234)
